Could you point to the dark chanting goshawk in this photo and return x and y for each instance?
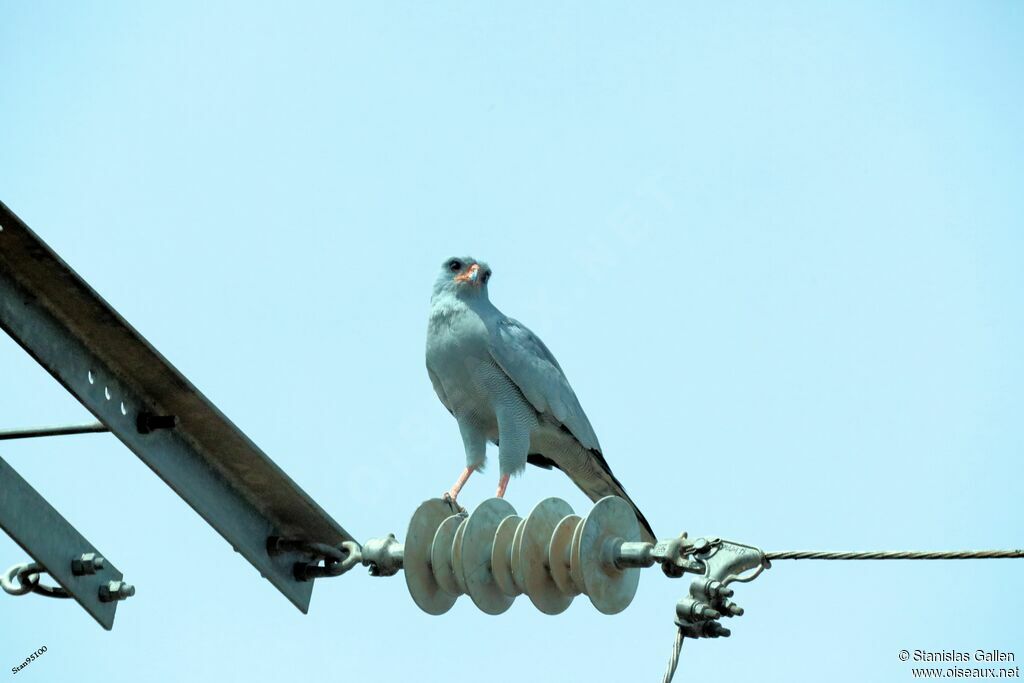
(503, 385)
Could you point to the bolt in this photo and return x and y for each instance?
(716, 589)
(691, 610)
(87, 563)
(719, 630)
(116, 590)
(734, 609)
(305, 571)
(147, 422)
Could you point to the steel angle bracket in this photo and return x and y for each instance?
(154, 410)
(50, 539)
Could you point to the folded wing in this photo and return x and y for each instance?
(532, 367)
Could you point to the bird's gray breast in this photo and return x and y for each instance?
(458, 358)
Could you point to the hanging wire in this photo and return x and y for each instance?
(673, 662)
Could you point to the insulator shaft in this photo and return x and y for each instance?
(552, 555)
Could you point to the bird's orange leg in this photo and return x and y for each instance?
(453, 492)
(502, 485)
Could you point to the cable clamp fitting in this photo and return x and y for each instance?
(699, 613)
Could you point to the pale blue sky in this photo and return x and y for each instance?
(777, 251)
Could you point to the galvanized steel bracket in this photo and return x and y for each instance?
(56, 546)
(154, 410)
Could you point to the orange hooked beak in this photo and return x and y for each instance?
(472, 274)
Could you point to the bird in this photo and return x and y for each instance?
(503, 386)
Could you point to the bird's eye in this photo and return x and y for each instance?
(454, 266)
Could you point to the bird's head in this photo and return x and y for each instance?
(464, 277)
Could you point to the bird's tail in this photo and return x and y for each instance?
(606, 484)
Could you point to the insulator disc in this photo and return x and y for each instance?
(419, 577)
(610, 522)
(501, 556)
(517, 546)
(559, 553)
(441, 554)
(531, 570)
(478, 541)
(460, 576)
(575, 570)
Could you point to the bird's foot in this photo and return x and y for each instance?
(502, 485)
(452, 503)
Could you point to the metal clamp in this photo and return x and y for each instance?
(674, 556)
(384, 556)
(724, 562)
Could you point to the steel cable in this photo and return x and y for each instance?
(858, 555)
(893, 554)
(673, 662)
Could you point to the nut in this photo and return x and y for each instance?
(116, 590)
(87, 563)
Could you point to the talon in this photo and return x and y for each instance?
(452, 503)
(454, 490)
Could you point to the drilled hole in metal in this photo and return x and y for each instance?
(106, 392)
(91, 380)
(124, 411)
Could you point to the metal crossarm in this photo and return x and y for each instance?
(56, 545)
(154, 410)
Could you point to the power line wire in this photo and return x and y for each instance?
(673, 662)
(893, 554)
(677, 647)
